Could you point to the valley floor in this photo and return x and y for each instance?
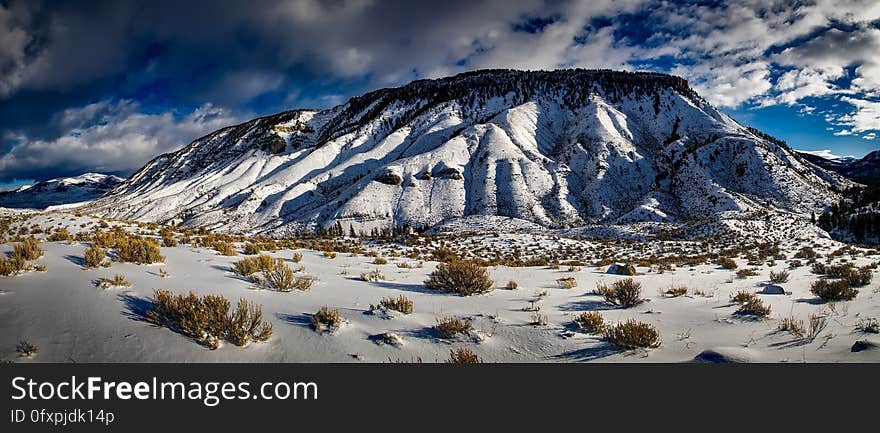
(69, 319)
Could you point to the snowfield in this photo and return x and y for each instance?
(69, 319)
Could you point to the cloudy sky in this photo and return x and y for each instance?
(107, 85)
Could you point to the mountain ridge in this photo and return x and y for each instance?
(59, 191)
(560, 149)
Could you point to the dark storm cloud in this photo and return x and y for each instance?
(87, 74)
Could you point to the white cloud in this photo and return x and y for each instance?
(866, 116)
(870, 136)
(118, 138)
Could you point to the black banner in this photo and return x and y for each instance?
(178, 397)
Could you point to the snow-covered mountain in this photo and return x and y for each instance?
(560, 149)
(60, 191)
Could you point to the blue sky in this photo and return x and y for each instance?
(108, 85)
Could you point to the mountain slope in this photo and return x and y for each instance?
(560, 149)
(59, 191)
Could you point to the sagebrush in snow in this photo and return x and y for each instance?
(590, 321)
(833, 290)
(11, 266)
(400, 303)
(451, 327)
(624, 293)
(463, 356)
(632, 335)
(225, 248)
(208, 319)
(726, 263)
(94, 256)
(779, 277)
(326, 319)
(29, 249)
(567, 282)
(135, 249)
(460, 276)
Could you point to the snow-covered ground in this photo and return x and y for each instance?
(70, 320)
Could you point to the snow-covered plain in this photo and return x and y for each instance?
(70, 320)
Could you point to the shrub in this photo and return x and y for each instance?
(830, 291)
(225, 248)
(330, 254)
(451, 327)
(625, 293)
(460, 276)
(567, 282)
(117, 281)
(726, 263)
(380, 261)
(444, 255)
(374, 275)
(791, 325)
(282, 279)
(400, 303)
(819, 269)
(246, 323)
(297, 257)
(26, 348)
(167, 235)
(806, 253)
(11, 266)
(537, 318)
(208, 319)
(856, 277)
(61, 234)
(745, 273)
(743, 296)
(251, 248)
(676, 291)
(818, 323)
(138, 250)
(754, 307)
(29, 249)
(93, 256)
(511, 285)
(779, 277)
(251, 265)
(326, 319)
(632, 335)
(590, 321)
(463, 356)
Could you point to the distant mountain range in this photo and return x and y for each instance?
(865, 170)
(85, 187)
(856, 217)
(559, 149)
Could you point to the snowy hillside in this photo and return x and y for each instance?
(559, 149)
(60, 191)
